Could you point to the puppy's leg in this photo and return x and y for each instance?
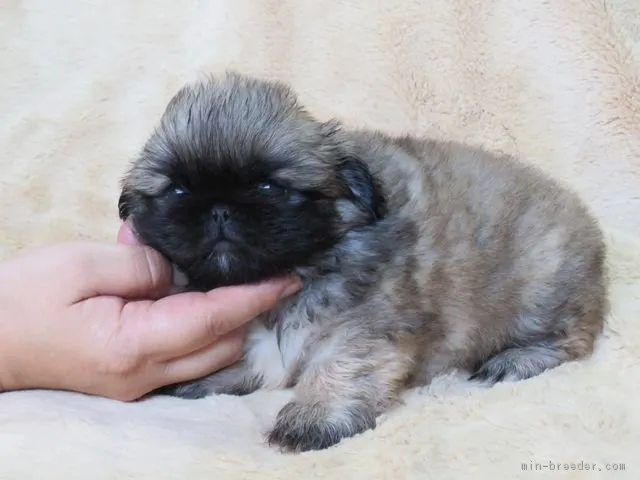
(260, 367)
(531, 358)
(347, 382)
(520, 363)
(237, 379)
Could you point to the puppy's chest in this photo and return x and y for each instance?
(277, 342)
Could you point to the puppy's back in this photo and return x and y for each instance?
(504, 252)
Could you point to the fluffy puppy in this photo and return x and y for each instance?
(418, 257)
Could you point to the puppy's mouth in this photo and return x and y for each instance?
(225, 255)
(223, 247)
(221, 265)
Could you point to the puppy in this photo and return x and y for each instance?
(417, 257)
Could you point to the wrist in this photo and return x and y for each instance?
(21, 361)
(24, 368)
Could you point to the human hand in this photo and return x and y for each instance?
(96, 318)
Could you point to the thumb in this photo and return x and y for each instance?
(127, 271)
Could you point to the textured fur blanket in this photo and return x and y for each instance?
(558, 82)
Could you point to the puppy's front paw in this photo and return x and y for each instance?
(301, 427)
(191, 391)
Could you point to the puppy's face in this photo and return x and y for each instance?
(238, 184)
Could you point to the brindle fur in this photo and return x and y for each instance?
(445, 257)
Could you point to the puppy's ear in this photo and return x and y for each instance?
(365, 189)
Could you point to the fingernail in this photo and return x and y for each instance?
(292, 287)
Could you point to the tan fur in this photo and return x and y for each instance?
(475, 262)
(554, 82)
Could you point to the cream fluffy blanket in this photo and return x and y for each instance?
(82, 84)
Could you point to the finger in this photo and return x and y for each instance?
(127, 271)
(186, 322)
(209, 359)
(126, 234)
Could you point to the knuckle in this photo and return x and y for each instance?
(213, 325)
(122, 374)
(118, 363)
(213, 328)
(119, 368)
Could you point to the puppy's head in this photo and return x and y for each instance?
(239, 183)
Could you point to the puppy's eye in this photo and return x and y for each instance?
(271, 188)
(267, 187)
(178, 191)
(276, 190)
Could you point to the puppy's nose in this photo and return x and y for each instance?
(220, 214)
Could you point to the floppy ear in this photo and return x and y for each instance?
(365, 189)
